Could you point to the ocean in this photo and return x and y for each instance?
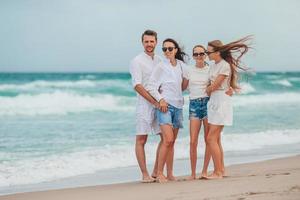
(56, 126)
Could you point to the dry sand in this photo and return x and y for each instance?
(277, 179)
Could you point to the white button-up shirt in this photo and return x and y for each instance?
(141, 68)
(166, 82)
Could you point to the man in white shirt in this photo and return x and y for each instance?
(141, 68)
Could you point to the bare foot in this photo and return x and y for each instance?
(203, 175)
(171, 178)
(153, 175)
(214, 176)
(147, 179)
(161, 179)
(224, 174)
(192, 177)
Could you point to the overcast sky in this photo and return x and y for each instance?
(96, 35)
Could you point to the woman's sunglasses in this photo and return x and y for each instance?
(198, 54)
(164, 49)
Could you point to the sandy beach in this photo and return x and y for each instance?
(272, 179)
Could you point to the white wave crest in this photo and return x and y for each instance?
(42, 86)
(270, 99)
(283, 82)
(48, 84)
(61, 103)
(247, 88)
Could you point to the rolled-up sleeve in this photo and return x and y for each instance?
(136, 73)
(155, 82)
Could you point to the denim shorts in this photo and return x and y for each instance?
(172, 117)
(198, 108)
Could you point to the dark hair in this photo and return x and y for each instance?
(180, 55)
(149, 32)
(198, 45)
(237, 48)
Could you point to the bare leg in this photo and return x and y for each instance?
(222, 155)
(141, 158)
(207, 154)
(154, 173)
(170, 158)
(168, 140)
(195, 126)
(213, 136)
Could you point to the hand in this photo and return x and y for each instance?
(230, 91)
(163, 105)
(208, 90)
(156, 105)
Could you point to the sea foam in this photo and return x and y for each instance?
(61, 103)
(247, 88)
(283, 82)
(262, 99)
(89, 161)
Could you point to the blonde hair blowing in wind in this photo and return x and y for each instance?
(232, 53)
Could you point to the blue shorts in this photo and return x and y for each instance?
(198, 108)
(172, 117)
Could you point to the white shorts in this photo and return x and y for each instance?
(144, 127)
(219, 109)
(146, 121)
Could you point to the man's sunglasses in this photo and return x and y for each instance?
(164, 49)
(198, 54)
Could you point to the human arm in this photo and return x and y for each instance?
(185, 76)
(185, 83)
(143, 92)
(222, 73)
(216, 84)
(154, 85)
(136, 76)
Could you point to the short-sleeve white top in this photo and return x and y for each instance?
(220, 68)
(198, 81)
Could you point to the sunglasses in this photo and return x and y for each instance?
(198, 54)
(164, 49)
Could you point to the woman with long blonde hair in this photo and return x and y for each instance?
(223, 75)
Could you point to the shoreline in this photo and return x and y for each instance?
(271, 179)
(132, 173)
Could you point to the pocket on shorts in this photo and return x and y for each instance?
(163, 118)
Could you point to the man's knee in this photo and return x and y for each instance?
(141, 139)
(193, 144)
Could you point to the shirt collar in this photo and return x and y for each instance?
(149, 57)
